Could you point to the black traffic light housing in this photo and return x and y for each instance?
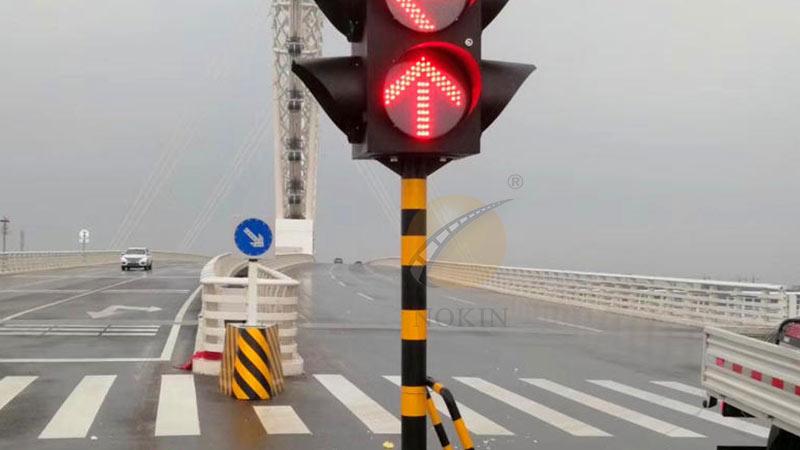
(351, 90)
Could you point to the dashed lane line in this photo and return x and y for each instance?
(460, 300)
(567, 324)
(360, 294)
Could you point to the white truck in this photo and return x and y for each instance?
(752, 377)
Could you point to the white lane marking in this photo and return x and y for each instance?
(40, 307)
(21, 333)
(460, 300)
(177, 407)
(373, 415)
(148, 291)
(342, 284)
(71, 333)
(11, 330)
(76, 415)
(685, 388)
(128, 334)
(366, 296)
(75, 360)
(43, 291)
(11, 386)
(567, 324)
(79, 326)
(636, 418)
(685, 408)
(537, 410)
(132, 330)
(280, 420)
(441, 324)
(95, 329)
(169, 346)
(18, 325)
(135, 326)
(476, 422)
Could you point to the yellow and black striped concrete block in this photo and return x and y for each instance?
(251, 364)
(414, 331)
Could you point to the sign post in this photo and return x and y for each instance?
(83, 239)
(253, 237)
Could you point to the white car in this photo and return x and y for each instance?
(137, 257)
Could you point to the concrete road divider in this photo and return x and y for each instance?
(224, 297)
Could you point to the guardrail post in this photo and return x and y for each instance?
(794, 308)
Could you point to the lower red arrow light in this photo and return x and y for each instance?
(426, 95)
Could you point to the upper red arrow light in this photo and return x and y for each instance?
(426, 15)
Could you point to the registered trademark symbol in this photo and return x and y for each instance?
(469, 42)
(515, 181)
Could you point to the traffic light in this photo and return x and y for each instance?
(414, 95)
(416, 85)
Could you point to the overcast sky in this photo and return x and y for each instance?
(657, 137)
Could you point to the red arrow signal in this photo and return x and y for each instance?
(426, 15)
(423, 98)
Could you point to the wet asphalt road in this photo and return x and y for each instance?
(484, 346)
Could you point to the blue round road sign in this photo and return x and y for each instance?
(253, 237)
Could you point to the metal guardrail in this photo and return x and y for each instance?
(20, 262)
(225, 300)
(758, 377)
(678, 300)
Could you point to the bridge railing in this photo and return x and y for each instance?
(224, 298)
(678, 300)
(19, 262)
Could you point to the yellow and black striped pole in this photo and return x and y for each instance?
(414, 323)
(437, 424)
(455, 414)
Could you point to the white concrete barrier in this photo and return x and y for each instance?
(224, 299)
(679, 300)
(20, 262)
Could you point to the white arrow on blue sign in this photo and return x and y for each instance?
(253, 237)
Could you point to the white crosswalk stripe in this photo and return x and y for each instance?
(11, 386)
(476, 422)
(177, 414)
(76, 415)
(177, 407)
(372, 414)
(651, 423)
(280, 420)
(685, 408)
(557, 419)
(685, 388)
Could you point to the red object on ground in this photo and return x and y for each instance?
(210, 356)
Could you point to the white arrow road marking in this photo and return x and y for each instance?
(114, 309)
(257, 241)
